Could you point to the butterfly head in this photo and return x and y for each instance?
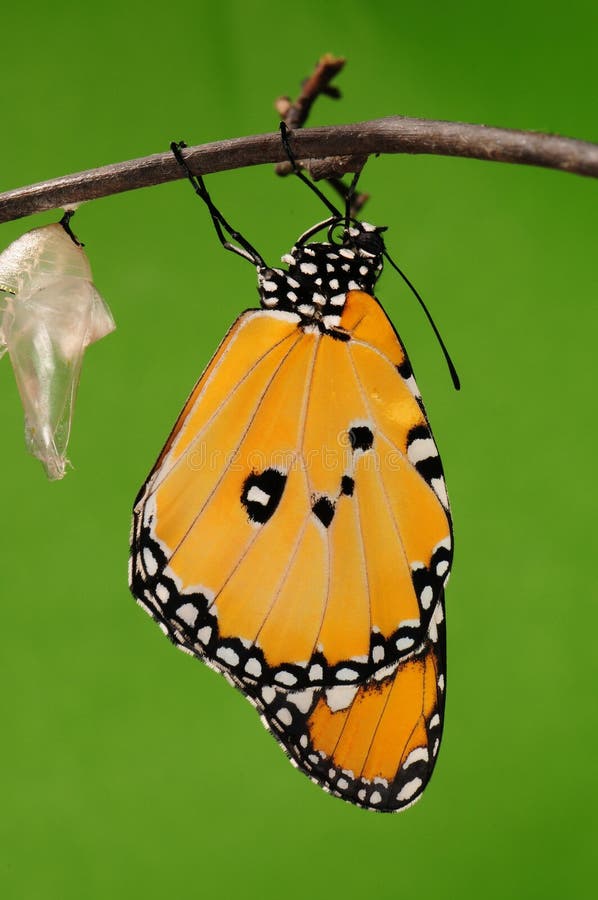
(319, 274)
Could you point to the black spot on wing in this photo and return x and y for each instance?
(323, 509)
(337, 333)
(347, 485)
(261, 494)
(361, 437)
(405, 370)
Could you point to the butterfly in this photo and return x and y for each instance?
(295, 533)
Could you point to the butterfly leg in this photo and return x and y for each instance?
(246, 250)
(284, 134)
(66, 225)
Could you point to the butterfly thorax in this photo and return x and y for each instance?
(319, 275)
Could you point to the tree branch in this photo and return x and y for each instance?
(397, 134)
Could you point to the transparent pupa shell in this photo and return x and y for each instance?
(50, 312)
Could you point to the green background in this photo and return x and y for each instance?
(128, 770)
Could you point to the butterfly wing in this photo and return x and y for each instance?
(374, 744)
(295, 531)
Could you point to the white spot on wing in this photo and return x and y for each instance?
(188, 613)
(404, 643)
(204, 634)
(420, 449)
(316, 672)
(256, 495)
(301, 699)
(285, 678)
(439, 488)
(378, 653)
(284, 715)
(284, 315)
(446, 543)
(162, 593)
(347, 674)
(253, 667)
(268, 694)
(420, 754)
(412, 385)
(409, 789)
(227, 655)
(149, 561)
(340, 697)
(426, 596)
(442, 567)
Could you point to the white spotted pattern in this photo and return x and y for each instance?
(228, 656)
(285, 716)
(188, 613)
(409, 789)
(149, 561)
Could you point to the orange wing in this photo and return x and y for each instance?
(374, 744)
(295, 531)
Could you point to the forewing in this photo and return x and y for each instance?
(290, 533)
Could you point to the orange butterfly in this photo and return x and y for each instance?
(295, 532)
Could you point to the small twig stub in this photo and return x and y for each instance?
(295, 113)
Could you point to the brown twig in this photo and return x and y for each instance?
(397, 134)
(295, 113)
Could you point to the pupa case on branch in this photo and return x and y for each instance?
(50, 312)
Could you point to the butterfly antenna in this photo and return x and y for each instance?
(415, 292)
(246, 250)
(284, 134)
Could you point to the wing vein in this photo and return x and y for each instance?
(377, 469)
(164, 472)
(240, 441)
(401, 453)
(299, 457)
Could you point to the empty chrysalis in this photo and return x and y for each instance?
(50, 312)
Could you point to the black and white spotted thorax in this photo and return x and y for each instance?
(314, 286)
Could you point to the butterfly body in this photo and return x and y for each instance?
(295, 532)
